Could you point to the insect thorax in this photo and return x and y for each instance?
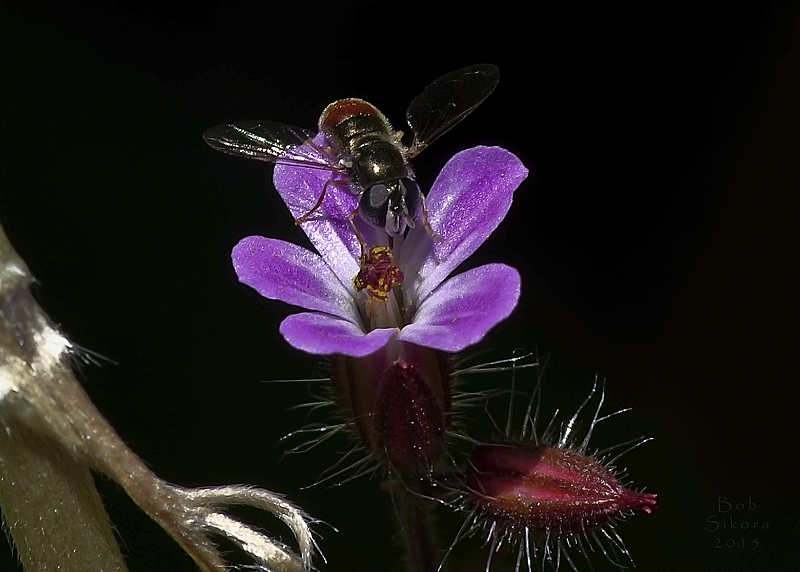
(378, 161)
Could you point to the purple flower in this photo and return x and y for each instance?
(466, 203)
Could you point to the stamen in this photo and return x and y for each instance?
(378, 273)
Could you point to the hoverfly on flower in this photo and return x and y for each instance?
(362, 148)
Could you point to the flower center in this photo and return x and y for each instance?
(378, 278)
(378, 274)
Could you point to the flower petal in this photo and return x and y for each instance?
(322, 334)
(284, 271)
(328, 226)
(470, 197)
(461, 311)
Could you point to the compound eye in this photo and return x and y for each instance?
(373, 205)
(377, 195)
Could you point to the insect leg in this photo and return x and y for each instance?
(351, 219)
(322, 152)
(305, 217)
(428, 228)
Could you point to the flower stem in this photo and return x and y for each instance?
(51, 508)
(416, 522)
(51, 435)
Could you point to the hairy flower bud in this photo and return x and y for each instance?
(548, 489)
(398, 399)
(546, 493)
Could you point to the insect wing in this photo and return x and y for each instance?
(447, 101)
(271, 142)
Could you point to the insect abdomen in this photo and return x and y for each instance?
(343, 122)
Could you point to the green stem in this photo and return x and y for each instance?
(51, 507)
(416, 521)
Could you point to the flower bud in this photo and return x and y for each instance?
(398, 399)
(545, 494)
(547, 489)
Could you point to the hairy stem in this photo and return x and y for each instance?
(50, 506)
(51, 435)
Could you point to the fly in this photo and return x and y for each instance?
(361, 144)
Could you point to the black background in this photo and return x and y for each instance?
(657, 241)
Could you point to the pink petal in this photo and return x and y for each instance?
(323, 334)
(462, 310)
(328, 226)
(469, 199)
(283, 271)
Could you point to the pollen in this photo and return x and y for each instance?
(378, 273)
